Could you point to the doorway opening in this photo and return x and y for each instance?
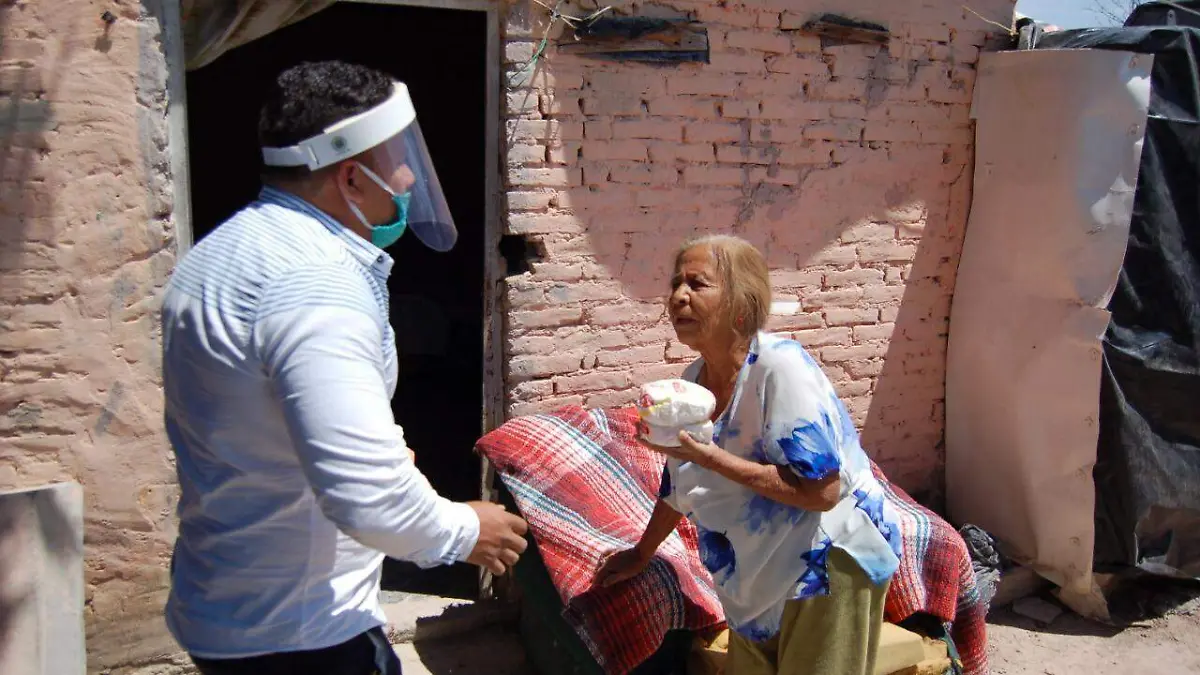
(437, 299)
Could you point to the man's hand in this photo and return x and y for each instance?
(501, 538)
(621, 566)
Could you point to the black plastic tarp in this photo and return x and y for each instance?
(1148, 456)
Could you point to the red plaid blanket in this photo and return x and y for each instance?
(936, 577)
(587, 488)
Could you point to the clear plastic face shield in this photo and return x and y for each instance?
(399, 164)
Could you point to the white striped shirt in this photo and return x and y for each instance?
(279, 366)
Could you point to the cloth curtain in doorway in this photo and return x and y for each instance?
(213, 27)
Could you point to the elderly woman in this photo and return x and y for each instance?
(793, 525)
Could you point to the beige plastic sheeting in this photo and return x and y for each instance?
(213, 27)
(1058, 141)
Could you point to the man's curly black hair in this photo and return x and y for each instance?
(305, 99)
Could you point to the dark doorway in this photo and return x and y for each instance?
(436, 298)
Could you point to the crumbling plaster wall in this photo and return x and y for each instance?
(86, 243)
(850, 166)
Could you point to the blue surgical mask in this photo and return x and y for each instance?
(387, 234)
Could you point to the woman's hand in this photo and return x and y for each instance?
(621, 566)
(689, 450)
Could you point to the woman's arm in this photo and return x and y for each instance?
(662, 523)
(775, 482)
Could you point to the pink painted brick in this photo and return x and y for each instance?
(839, 316)
(928, 32)
(856, 353)
(722, 14)
(767, 19)
(853, 111)
(632, 150)
(706, 175)
(537, 223)
(526, 367)
(529, 201)
(667, 371)
(564, 104)
(822, 337)
(639, 84)
(877, 295)
(644, 174)
(798, 64)
(522, 155)
(759, 40)
(519, 52)
(714, 132)
(612, 399)
(739, 154)
(683, 106)
(919, 112)
(584, 292)
(627, 357)
(629, 313)
(737, 63)
(653, 129)
(566, 153)
(836, 372)
(702, 85)
(739, 109)
(842, 297)
(836, 256)
(793, 322)
(889, 313)
(546, 318)
(851, 89)
(543, 130)
(895, 275)
(523, 102)
(601, 103)
(857, 277)
(557, 271)
(776, 132)
(588, 338)
(598, 130)
(880, 333)
(881, 252)
(532, 389)
(530, 344)
(782, 108)
(542, 406)
(902, 131)
(544, 177)
(835, 131)
(949, 135)
(594, 381)
(868, 231)
(672, 152)
(796, 279)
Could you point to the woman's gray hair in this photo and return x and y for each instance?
(745, 283)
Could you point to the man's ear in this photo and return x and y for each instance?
(348, 177)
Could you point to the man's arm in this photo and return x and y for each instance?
(320, 342)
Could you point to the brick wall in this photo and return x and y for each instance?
(86, 243)
(849, 166)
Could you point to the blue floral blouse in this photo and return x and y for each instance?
(761, 553)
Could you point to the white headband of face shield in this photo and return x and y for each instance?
(349, 137)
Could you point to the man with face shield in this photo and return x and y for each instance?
(279, 365)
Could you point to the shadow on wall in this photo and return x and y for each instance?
(863, 235)
(30, 78)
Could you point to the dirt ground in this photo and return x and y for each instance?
(1158, 633)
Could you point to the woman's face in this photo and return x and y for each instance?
(696, 297)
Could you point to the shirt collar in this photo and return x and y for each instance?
(363, 251)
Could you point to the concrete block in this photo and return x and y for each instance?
(41, 581)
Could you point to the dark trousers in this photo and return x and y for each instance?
(366, 654)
